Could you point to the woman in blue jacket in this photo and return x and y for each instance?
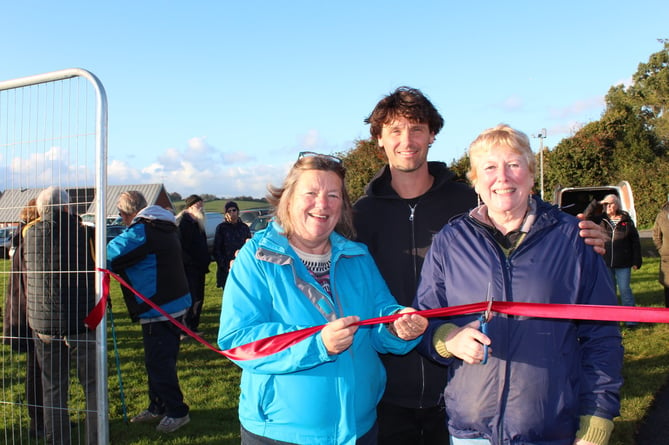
(303, 270)
(547, 381)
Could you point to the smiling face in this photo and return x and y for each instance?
(503, 181)
(406, 144)
(314, 209)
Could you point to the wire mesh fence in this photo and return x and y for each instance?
(52, 165)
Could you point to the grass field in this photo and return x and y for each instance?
(210, 381)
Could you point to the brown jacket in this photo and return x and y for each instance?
(661, 241)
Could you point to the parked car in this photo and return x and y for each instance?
(213, 219)
(249, 215)
(6, 235)
(113, 230)
(575, 200)
(260, 223)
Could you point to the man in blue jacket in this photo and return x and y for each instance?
(148, 256)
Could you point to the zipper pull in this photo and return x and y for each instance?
(413, 209)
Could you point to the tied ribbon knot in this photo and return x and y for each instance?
(277, 343)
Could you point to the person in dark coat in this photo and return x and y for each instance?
(623, 250)
(195, 253)
(15, 329)
(661, 242)
(148, 256)
(60, 291)
(230, 236)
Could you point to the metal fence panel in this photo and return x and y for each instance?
(53, 132)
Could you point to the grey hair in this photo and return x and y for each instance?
(131, 202)
(50, 198)
(614, 198)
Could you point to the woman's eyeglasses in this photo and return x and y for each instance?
(306, 154)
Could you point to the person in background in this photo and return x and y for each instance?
(230, 236)
(195, 254)
(304, 270)
(414, 199)
(148, 256)
(15, 329)
(661, 242)
(60, 291)
(623, 250)
(546, 381)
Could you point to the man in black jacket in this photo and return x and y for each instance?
(404, 206)
(406, 203)
(195, 253)
(60, 294)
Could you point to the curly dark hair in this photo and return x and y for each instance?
(406, 102)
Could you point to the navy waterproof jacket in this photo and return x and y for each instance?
(542, 373)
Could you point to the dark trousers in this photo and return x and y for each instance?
(34, 391)
(196, 287)
(666, 297)
(248, 438)
(161, 348)
(420, 426)
(54, 356)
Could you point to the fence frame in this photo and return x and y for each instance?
(101, 139)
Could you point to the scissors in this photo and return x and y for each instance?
(484, 319)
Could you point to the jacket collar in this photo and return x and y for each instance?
(380, 186)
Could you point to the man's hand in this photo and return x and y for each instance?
(593, 234)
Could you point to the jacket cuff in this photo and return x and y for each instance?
(439, 339)
(595, 429)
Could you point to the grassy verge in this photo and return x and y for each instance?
(210, 381)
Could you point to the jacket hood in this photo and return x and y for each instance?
(380, 185)
(155, 213)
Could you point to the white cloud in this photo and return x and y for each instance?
(578, 108)
(201, 168)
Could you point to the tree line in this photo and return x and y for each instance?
(629, 142)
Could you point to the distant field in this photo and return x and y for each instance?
(219, 205)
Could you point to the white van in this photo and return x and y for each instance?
(574, 200)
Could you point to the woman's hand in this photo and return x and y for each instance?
(592, 234)
(466, 343)
(410, 326)
(338, 335)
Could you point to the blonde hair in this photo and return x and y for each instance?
(279, 197)
(501, 135)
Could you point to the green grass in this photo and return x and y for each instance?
(219, 205)
(210, 382)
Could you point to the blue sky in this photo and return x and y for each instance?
(219, 97)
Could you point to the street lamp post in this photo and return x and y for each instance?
(541, 136)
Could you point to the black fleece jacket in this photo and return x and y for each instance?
(398, 233)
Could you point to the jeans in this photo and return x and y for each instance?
(621, 277)
(55, 355)
(248, 438)
(456, 441)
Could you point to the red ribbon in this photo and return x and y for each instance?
(271, 345)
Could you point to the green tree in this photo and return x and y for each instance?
(362, 162)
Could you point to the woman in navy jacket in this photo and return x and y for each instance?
(547, 381)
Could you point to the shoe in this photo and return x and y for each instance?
(146, 416)
(171, 424)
